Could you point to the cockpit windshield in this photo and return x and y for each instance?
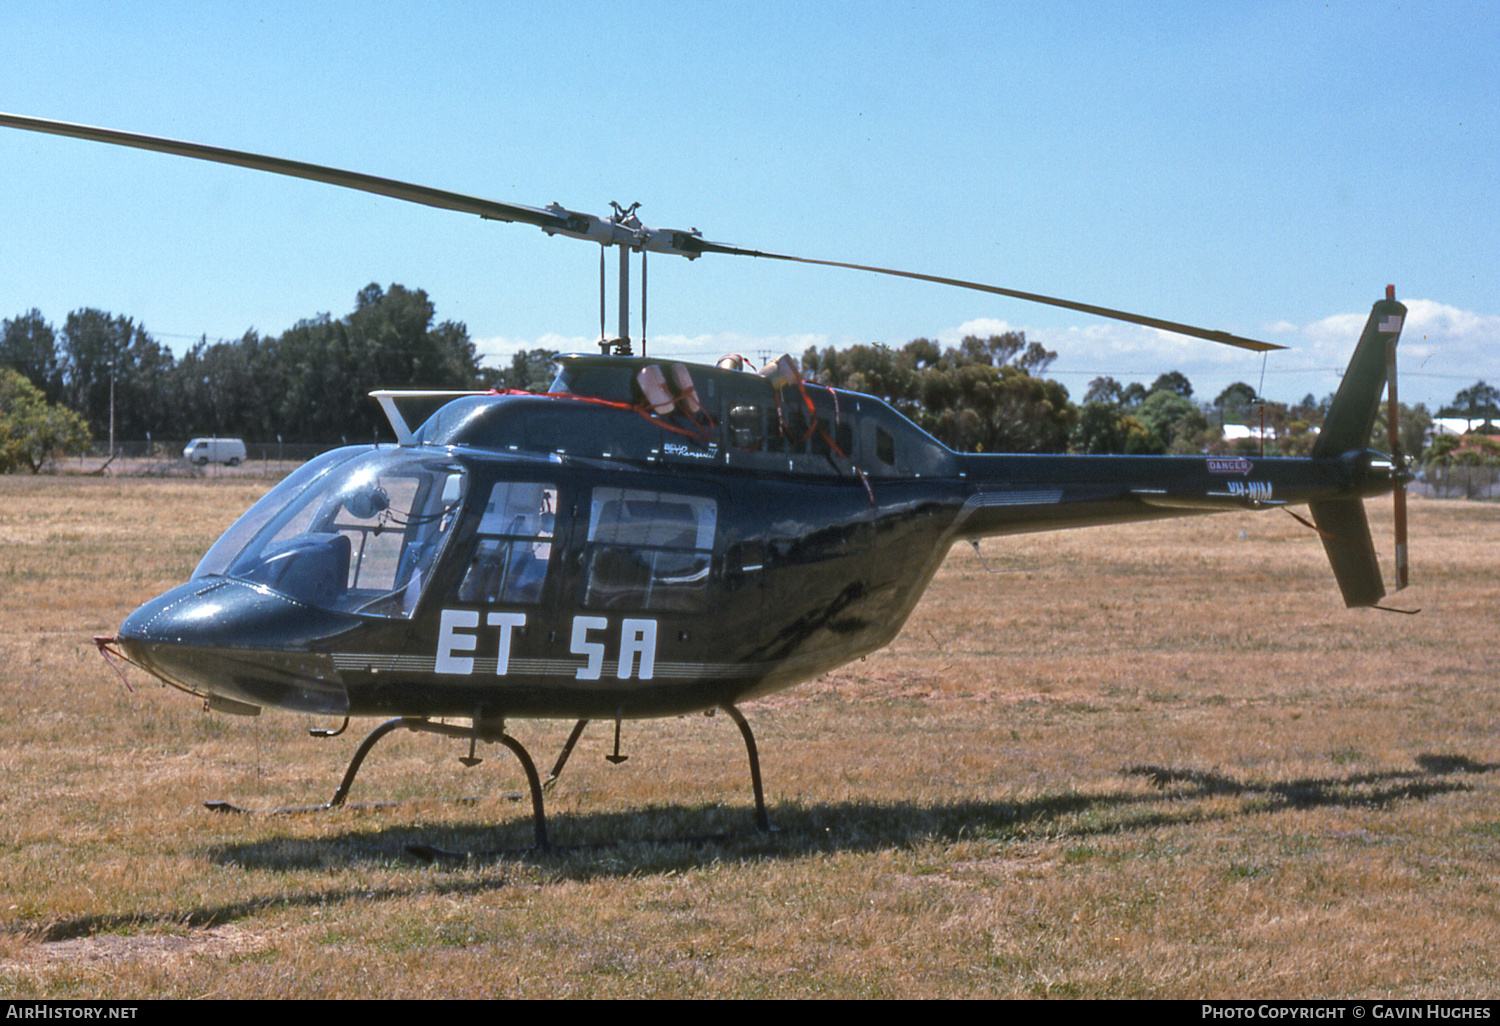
(358, 531)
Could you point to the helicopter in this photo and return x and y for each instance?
(652, 538)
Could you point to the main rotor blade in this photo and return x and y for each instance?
(613, 231)
(1099, 311)
(490, 209)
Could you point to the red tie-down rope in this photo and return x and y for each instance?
(699, 432)
(703, 431)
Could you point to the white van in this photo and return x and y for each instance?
(203, 451)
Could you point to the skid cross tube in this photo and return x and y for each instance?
(762, 818)
(562, 756)
(359, 758)
(479, 729)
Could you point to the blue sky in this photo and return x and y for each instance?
(1264, 168)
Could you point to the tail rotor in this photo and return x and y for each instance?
(1400, 473)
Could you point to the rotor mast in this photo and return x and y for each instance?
(629, 234)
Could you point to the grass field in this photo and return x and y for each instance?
(1153, 761)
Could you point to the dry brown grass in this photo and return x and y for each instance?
(1153, 761)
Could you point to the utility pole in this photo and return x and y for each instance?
(111, 407)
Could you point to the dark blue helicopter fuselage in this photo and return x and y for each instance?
(577, 555)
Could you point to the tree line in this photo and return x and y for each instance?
(989, 395)
(310, 384)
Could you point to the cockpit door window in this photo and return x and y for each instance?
(354, 531)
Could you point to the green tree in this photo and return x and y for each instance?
(28, 345)
(1130, 420)
(531, 370)
(1440, 452)
(100, 349)
(228, 388)
(1172, 418)
(1477, 402)
(32, 430)
(1415, 423)
(1105, 390)
(1133, 395)
(1174, 382)
(1234, 403)
(1104, 429)
(980, 395)
(389, 341)
(312, 382)
(1471, 450)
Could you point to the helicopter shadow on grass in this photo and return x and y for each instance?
(657, 840)
(665, 838)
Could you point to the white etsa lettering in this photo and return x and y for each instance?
(637, 638)
(450, 641)
(637, 644)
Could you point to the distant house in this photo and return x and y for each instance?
(1235, 432)
(1458, 426)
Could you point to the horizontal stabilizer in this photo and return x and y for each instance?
(1346, 539)
(1208, 502)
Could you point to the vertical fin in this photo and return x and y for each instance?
(1352, 417)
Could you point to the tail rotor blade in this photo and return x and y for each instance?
(1403, 574)
(1398, 458)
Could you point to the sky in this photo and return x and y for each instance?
(1261, 168)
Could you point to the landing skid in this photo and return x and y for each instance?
(479, 731)
(762, 819)
(493, 730)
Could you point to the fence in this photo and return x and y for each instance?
(1459, 482)
(160, 459)
(292, 452)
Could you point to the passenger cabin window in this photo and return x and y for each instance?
(649, 550)
(746, 427)
(513, 545)
(816, 434)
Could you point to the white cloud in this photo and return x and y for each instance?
(498, 350)
(1442, 339)
(982, 327)
(1443, 349)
